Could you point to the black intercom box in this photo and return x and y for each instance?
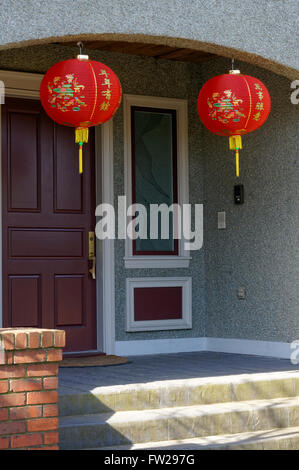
(239, 194)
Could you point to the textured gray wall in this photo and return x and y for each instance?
(174, 80)
(141, 76)
(256, 29)
(258, 248)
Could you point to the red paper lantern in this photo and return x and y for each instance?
(80, 93)
(232, 105)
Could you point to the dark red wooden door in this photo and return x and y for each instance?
(47, 212)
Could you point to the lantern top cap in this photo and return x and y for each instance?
(82, 57)
(234, 72)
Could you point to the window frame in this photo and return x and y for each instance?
(181, 258)
(173, 113)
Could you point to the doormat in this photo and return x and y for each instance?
(93, 361)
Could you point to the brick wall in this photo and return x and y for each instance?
(29, 360)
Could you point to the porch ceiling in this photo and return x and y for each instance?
(148, 50)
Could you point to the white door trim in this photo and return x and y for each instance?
(26, 85)
(105, 248)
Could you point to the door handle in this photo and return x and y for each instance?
(91, 254)
(92, 270)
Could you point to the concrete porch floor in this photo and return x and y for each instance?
(155, 368)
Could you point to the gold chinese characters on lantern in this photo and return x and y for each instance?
(232, 105)
(80, 93)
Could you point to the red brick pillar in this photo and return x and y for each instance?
(29, 360)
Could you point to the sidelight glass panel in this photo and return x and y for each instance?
(154, 171)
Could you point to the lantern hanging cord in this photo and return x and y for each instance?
(80, 45)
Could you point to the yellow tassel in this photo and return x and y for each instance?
(235, 143)
(80, 159)
(81, 136)
(237, 163)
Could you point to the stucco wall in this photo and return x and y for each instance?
(173, 80)
(264, 32)
(258, 248)
(141, 76)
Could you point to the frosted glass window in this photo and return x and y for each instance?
(154, 173)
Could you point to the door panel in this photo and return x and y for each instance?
(45, 243)
(69, 297)
(24, 295)
(67, 198)
(48, 210)
(23, 173)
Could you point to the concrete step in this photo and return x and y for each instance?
(172, 393)
(275, 439)
(185, 422)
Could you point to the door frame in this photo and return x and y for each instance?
(26, 85)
